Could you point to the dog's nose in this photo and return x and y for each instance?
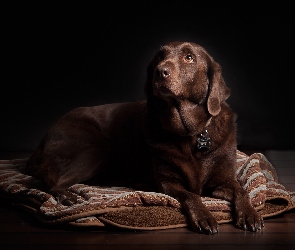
(163, 78)
(163, 72)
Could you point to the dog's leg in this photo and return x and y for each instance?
(245, 215)
(199, 216)
(84, 166)
(60, 172)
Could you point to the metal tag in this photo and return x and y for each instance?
(204, 141)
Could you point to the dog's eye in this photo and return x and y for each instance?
(189, 58)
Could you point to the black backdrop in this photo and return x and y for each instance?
(59, 55)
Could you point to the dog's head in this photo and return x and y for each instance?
(184, 79)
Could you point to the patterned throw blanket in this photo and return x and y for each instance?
(134, 209)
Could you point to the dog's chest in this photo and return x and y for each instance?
(190, 146)
(183, 156)
(195, 166)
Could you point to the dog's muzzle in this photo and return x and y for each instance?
(163, 84)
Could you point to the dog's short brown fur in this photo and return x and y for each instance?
(154, 143)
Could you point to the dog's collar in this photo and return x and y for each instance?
(208, 122)
(204, 141)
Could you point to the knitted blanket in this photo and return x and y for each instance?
(122, 207)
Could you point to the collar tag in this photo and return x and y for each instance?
(204, 141)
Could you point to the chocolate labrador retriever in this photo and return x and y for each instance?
(180, 141)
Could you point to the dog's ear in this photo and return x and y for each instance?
(148, 90)
(218, 91)
(148, 87)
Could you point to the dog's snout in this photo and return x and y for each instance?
(164, 75)
(163, 72)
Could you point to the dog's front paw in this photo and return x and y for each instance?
(203, 222)
(249, 219)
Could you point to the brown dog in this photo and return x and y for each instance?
(183, 137)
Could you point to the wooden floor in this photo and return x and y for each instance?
(20, 231)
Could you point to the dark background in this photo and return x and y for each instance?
(59, 55)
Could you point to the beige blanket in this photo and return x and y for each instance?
(134, 209)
